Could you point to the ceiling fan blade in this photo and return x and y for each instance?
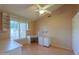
(47, 11)
(47, 6)
(36, 10)
(38, 6)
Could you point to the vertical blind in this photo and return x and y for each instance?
(18, 28)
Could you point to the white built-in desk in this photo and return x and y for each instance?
(29, 38)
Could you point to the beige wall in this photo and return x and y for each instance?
(59, 26)
(32, 27)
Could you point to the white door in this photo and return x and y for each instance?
(75, 33)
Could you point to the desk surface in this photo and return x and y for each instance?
(32, 36)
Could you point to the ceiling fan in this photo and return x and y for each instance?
(41, 10)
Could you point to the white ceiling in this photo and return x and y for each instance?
(25, 10)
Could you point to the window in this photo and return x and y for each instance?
(22, 30)
(18, 30)
(14, 30)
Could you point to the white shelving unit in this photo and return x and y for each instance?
(5, 21)
(44, 41)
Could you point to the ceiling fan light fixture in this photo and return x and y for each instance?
(41, 12)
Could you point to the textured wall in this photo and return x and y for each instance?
(59, 26)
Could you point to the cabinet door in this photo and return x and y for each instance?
(40, 40)
(46, 42)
